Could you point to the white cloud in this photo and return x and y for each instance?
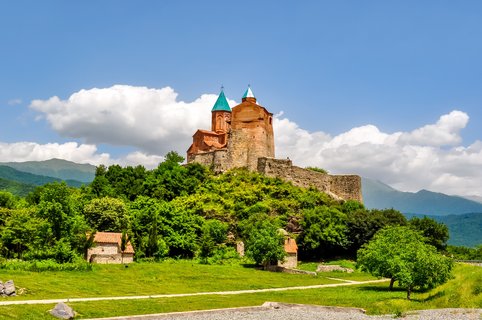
(155, 122)
(430, 157)
(72, 151)
(445, 132)
(152, 120)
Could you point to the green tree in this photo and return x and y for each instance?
(324, 231)
(265, 244)
(362, 224)
(400, 253)
(214, 233)
(123, 245)
(435, 233)
(68, 227)
(23, 232)
(7, 200)
(107, 214)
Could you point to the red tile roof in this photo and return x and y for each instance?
(113, 237)
(290, 246)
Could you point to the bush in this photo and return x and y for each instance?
(45, 265)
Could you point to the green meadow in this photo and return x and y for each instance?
(183, 276)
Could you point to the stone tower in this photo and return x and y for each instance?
(251, 134)
(221, 115)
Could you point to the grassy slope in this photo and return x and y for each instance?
(465, 290)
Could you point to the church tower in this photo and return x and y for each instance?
(251, 133)
(221, 115)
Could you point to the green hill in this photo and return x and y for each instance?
(16, 188)
(464, 229)
(56, 168)
(12, 175)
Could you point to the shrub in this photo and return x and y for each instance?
(45, 265)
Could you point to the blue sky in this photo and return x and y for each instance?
(325, 67)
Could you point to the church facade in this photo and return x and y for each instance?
(238, 136)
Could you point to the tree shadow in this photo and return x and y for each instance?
(381, 289)
(433, 296)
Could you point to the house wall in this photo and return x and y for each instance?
(290, 261)
(107, 253)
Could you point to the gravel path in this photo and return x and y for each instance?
(280, 311)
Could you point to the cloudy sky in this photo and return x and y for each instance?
(389, 90)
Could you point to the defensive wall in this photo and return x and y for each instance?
(342, 187)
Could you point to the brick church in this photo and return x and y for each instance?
(243, 137)
(238, 136)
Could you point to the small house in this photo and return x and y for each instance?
(107, 249)
(291, 259)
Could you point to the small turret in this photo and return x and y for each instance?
(221, 114)
(249, 95)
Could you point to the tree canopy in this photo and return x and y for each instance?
(401, 254)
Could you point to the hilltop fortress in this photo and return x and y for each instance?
(243, 137)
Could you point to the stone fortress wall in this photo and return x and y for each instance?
(342, 187)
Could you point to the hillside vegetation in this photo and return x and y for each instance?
(16, 188)
(465, 229)
(186, 211)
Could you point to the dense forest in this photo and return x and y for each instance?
(185, 211)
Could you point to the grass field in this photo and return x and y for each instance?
(465, 290)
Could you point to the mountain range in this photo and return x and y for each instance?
(462, 216)
(56, 168)
(377, 195)
(20, 178)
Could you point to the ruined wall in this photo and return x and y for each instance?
(346, 187)
(216, 160)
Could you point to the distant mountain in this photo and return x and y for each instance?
(464, 229)
(13, 175)
(378, 195)
(474, 198)
(56, 168)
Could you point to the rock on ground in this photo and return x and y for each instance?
(7, 289)
(62, 311)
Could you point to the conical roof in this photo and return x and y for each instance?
(249, 93)
(221, 103)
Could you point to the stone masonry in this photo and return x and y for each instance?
(342, 187)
